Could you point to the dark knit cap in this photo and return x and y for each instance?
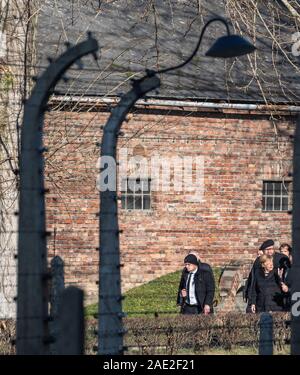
(191, 259)
(266, 244)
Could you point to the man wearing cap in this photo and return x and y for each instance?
(280, 262)
(268, 249)
(196, 288)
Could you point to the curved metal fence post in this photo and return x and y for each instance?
(295, 289)
(32, 299)
(110, 332)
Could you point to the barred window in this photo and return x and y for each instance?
(276, 195)
(136, 194)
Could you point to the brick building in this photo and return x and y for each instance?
(244, 142)
(240, 157)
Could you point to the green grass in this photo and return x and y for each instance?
(158, 296)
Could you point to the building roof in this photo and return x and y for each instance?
(135, 35)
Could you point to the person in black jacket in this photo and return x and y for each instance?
(267, 291)
(281, 263)
(196, 288)
(286, 249)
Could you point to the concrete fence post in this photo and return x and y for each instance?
(70, 323)
(57, 288)
(266, 334)
(57, 284)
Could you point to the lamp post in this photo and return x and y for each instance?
(110, 330)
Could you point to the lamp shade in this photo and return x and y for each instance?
(230, 46)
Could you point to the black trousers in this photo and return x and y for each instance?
(190, 310)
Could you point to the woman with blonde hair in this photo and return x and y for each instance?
(267, 291)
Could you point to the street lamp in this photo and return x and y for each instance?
(110, 332)
(225, 46)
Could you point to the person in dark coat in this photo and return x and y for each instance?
(196, 288)
(286, 250)
(267, 291)
(281, 262)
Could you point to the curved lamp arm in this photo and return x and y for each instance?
(197, 46)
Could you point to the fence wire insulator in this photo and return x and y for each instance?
(65, 79)
(121, 265)
(13, 342)
(67, 44)
(122, 332)
(16, 213)
(46, 234)
(44, 191)
(42, 149)
(122, 315)
(79, 64)
(47, 276)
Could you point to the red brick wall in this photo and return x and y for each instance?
(239, 152)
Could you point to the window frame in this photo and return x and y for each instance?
(142, 194)
(273, 195)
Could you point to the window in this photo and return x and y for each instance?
(276, 195)
(136, 194)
